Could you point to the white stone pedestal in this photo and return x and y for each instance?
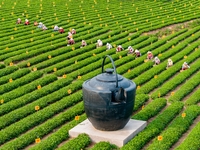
(119, 137)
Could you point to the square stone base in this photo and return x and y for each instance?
(119, 137)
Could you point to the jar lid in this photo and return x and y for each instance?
(108, 76)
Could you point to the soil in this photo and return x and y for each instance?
(173, 27)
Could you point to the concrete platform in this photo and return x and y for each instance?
(119, 137)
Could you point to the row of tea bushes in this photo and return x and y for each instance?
(95, 68)
(192, 140)
(45, 46)
(66, 50)
(150, 110)
(61, 105)
(155, 127)
(21, 30)
(112, 51)
(21, 90)
(178, 79)
(194, 98)
(20, 82)
(36, 117)
(2, 66)
(165, 75)
(42, 129)
(42, 103)
(10, 109)
(105, 146)
(15, 75)
(175, 130)
(186, 88)
(58, 136)
(78, 55)
(138, 69)
(41, 36)
(79, 142)
(26, 43)
(63, 133)
(157, 69)
(140, 100)
(8, 70)
(177, 51)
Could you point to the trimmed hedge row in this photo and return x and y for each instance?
(151, 110)
(8, 70)
(60, 42)
(140, 100)
(21, 90)
(97, 64)
(15, 75)
(86, 62)
(175, 130)
(138, 70)
(165, 75)
(54, 61)
(192, 140)
(18, 46)
(84, 54)
(32, 120)
(67, 50)
(146, 76)
(79, 142)
(194, 98)
(178, 79)
(58, 136)
(20, 82)
(154, 128)
(2, 66)
(186, 88)
(32, 96)
(104, 146)
(43, 129)
(46, 144)
(42, 103)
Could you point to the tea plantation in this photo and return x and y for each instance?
(41, 76)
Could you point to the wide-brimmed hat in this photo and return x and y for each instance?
(169, 59)
(156, 57)
(148, 52)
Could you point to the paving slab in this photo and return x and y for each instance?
(118, 137)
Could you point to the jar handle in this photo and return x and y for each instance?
(113, 67)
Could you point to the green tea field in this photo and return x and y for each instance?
(41, 74)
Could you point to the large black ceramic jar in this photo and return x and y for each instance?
(109, 99)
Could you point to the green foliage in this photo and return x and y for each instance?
(194, 98)
(154, 127)
(151, 109)
(192, 140)
(8, 70)
(79, 142)
(125, 23)
(140, 100)
(174, 131)
(104, 146)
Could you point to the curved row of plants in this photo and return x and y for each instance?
(175, 130)
(192, 140)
